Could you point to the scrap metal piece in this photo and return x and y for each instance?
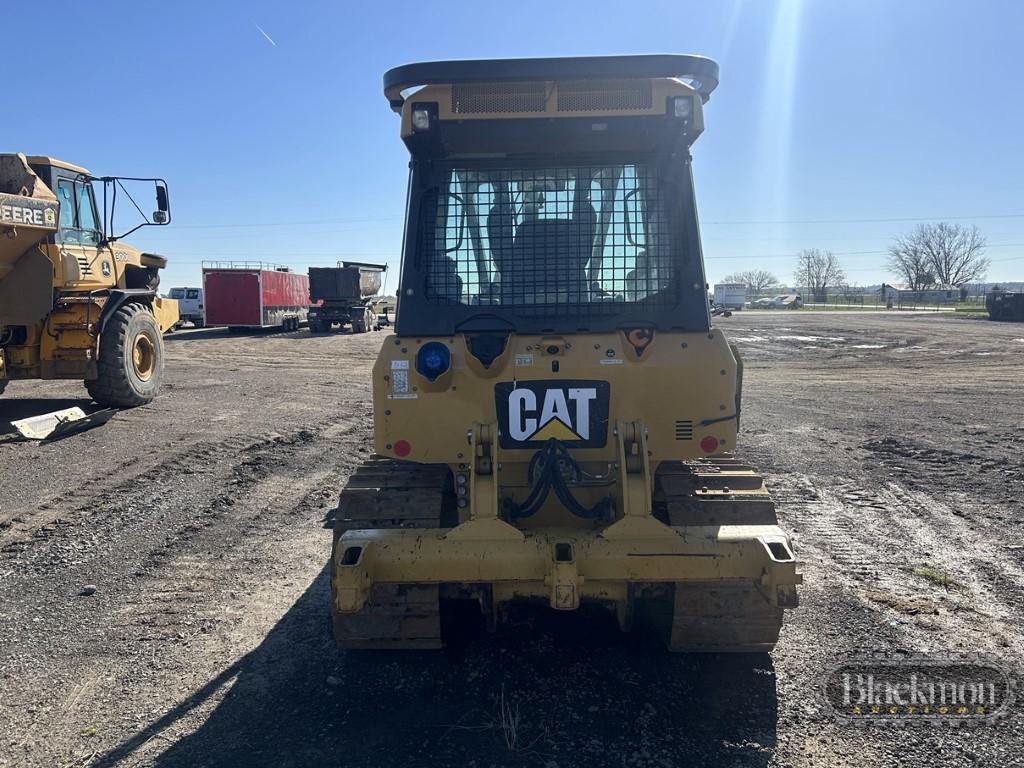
(60, 424)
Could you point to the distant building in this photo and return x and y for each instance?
(933, 294)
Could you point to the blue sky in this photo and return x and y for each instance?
(836, 125)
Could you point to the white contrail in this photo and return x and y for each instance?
(269, 38)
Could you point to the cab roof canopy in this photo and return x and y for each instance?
(45, 160)
(700, 72)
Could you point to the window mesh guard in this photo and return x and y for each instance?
(581, 240)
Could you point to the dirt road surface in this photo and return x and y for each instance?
(893, 443)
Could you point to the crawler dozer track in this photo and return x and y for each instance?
(383, 493)
(717, 616)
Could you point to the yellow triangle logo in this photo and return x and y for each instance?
(557, 429)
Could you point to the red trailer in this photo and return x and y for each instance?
(255, 295)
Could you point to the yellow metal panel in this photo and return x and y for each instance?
(679, 377)
(166, 313)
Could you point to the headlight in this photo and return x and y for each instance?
(682, 107)
(421, 119)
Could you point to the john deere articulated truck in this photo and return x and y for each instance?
(75, 301)
(555, 416)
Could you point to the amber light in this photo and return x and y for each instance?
(639, 339)
(709, 444)
(402, 448)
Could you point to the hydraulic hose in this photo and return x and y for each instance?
(551, 478)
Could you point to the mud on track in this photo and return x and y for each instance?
(892, 443)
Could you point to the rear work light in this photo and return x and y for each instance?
(424, 114)
(682, 107)
(420, 120)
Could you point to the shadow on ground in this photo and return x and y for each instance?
(222, 332)
(561, 690)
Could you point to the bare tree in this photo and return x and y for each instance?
(819, 270)
(909, 261)
(756, 280)
(945, 253)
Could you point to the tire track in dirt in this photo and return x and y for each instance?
(191, 588)
(889, 545)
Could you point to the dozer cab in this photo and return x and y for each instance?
(75, 301)
(555, 415)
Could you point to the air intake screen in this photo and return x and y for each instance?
(84, 268)
(684, 430)
(475, 98)
(603, 95)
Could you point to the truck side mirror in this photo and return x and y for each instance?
(160, 215)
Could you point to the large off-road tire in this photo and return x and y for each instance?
(131, 359)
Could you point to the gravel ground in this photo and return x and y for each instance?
(892, 442)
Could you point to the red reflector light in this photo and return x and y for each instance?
(402, 448)
(709, 444)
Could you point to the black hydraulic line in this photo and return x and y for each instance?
(551, 478)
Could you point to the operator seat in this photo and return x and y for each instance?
(546, 263)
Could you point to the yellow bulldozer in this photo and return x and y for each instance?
(75, 301)
(555, 415)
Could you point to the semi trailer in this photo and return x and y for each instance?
(245, 295)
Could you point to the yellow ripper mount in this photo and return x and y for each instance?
(563, 566)
(555, 416)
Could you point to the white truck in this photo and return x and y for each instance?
(190, 305)
(730, 295)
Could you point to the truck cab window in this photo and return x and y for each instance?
(66, 196)
(78, 219)
(87, 219)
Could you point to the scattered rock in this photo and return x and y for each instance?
(88, 590)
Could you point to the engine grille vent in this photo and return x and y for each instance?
(84, 268)
(602, 95)
(471, 98)
(684, 430)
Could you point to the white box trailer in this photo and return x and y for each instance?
(731, 295)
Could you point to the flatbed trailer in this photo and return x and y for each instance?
(254, 295)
